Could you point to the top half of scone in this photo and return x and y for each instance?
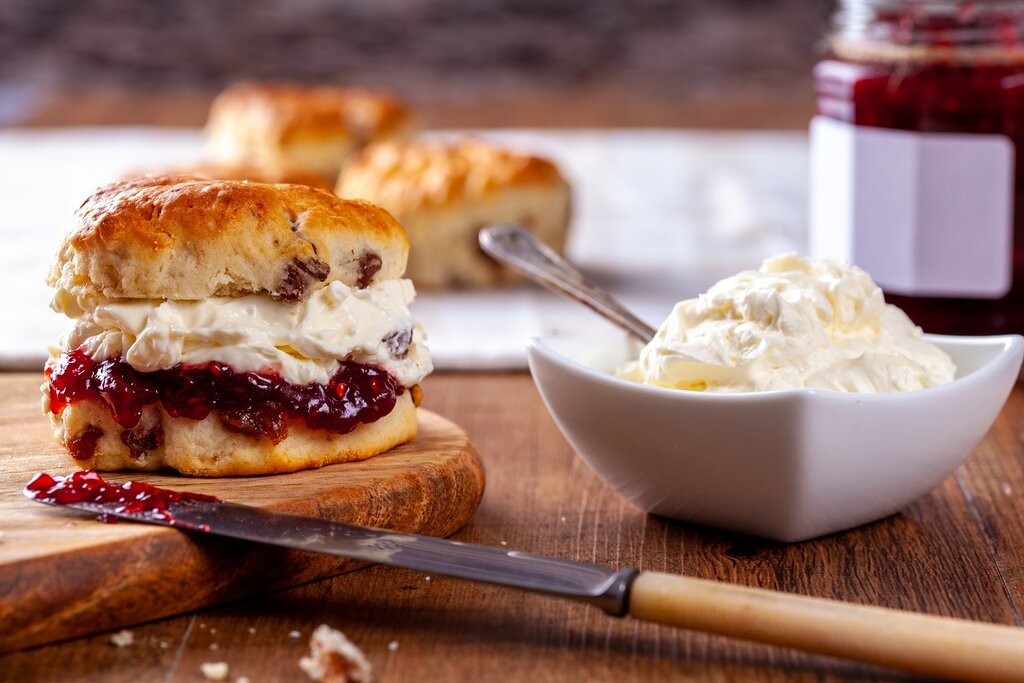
(312, 127)
(284, 280)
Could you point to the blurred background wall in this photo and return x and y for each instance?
(714, 63)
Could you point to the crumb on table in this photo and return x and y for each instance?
(214, 671)
(333, 658)
(123, 638)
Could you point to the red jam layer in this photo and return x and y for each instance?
(132, 497)
(258, 404)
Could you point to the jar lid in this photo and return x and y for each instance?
(955, 31)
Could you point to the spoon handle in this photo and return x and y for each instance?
(520, 250)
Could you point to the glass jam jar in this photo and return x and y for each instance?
(917, 158)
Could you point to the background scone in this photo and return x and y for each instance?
(314, 128)
(226, 327)
(277, 174)
(443, 193)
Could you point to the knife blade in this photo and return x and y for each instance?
(920, 643)
(590, 583)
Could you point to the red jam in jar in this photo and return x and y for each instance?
(917, 157)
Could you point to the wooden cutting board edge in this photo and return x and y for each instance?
(108, 585)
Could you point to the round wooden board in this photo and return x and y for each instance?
(64, 575)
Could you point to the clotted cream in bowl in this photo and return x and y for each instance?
(787, 402)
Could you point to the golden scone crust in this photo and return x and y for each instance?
(176, 237)
(314, 127)
(277, 174)
(444, 192)
(205, 448)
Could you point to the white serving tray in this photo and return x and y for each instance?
(659, 216)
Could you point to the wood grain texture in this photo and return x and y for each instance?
(63, 574)
(958, 551)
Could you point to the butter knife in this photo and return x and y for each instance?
(936, 646)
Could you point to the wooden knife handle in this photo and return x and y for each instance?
(937, 646)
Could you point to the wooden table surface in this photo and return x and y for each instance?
(957, 552)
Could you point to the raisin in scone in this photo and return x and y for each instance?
(225, 327)
(444, 192)
(314, 128)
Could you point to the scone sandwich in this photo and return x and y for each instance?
(226, 328)
(444, 192)
(313, 128)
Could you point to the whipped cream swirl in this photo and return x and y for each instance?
(791, 323)
(303, 341)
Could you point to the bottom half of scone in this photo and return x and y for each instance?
(243, 425)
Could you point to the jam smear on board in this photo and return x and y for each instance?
(132, 497)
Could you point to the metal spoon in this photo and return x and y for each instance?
(517, 248)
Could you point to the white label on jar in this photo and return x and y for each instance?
(926, 214)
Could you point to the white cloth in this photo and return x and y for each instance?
(659, 215)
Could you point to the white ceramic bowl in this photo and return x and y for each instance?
(787, 465)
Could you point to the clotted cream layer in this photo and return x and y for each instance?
(794, 322)
(304, 341)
